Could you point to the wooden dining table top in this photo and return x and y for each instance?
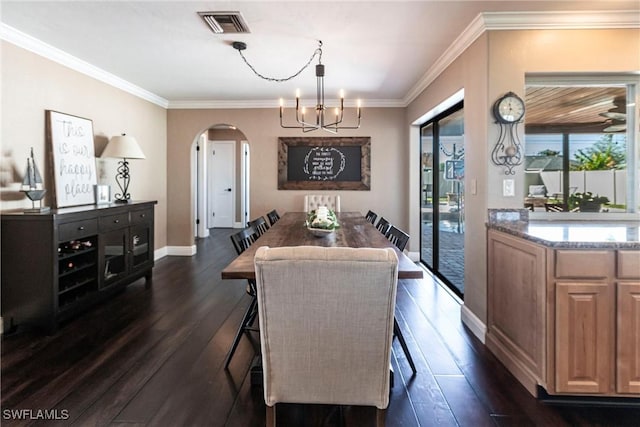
(290, 230)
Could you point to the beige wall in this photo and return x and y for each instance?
(389, 164)
(32, 84)
(497, 63)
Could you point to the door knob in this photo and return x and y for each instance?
(228, 189)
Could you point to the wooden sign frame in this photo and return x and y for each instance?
(330, 183)
(72, 158)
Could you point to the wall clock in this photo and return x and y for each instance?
(508, 111)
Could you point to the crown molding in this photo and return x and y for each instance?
(54, 54)
(562, 20)
(492, 21)
(212, 105)
(487, 21)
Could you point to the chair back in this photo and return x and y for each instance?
(371, 217)
(273, 217)
(314, 201)
(383, 225)
(326, 323)
(397, 237)
(243, 239)
(260, 225)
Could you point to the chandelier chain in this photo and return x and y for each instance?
(317, 52)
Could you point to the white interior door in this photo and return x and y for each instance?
(221, 174)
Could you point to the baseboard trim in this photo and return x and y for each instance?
(414, 256)
(181, 250)
(475, 325)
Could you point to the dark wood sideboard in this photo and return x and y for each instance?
(59, 263)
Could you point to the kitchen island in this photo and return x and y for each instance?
(563, 308)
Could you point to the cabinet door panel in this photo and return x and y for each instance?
(141, 247)
(114, 260)
(584, 331)
(628, 354)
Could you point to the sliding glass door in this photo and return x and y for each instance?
(442, 197)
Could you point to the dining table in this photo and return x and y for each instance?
(354, 231)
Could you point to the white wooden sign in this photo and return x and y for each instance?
(74, 161)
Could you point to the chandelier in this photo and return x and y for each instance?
(320, 116)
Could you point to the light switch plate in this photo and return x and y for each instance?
(508, 188)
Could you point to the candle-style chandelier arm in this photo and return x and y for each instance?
(321, 110)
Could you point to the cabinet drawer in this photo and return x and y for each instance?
(584, 264)
(628, 264)
(77, 230)
(114, 222)
(142, 216)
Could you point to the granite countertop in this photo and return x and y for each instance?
(567, 234)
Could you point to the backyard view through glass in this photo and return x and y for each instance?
(442, 200)
(577, 149)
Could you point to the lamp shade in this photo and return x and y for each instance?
(124, 147)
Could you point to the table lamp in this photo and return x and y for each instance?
(124, 147)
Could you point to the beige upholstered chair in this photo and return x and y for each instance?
(313, 201)
(326, 325)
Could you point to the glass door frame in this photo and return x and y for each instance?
(435, 178)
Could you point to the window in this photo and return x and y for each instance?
(581, 146)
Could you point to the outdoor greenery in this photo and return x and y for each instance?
(603, 155)
(582, 200)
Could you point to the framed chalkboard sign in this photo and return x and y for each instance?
(70, 139)
(324, 163)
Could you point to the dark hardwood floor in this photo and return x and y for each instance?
(155, 357)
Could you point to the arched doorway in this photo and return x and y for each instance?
(233, 151)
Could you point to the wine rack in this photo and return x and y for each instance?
(77, 270)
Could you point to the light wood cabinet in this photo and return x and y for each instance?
(628, 330)
(584, 336)
(567, 320)
(516, 306)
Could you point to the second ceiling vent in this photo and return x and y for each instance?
(225, 22)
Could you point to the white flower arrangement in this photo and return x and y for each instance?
(322, 218)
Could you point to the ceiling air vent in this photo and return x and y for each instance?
(225, 22)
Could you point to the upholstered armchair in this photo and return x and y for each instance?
(326, 325)
(313, 201)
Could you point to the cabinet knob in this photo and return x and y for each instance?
(81, 228)
(115, 221)
(143, 215)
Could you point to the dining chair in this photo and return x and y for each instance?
(340, 354)
(371, 217)
(259, 224)
(398, 237)
(314, 201)
(383, 225)
(242, 240)
(273, 217)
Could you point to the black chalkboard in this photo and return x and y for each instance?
(324, 163)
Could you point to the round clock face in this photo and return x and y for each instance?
(509, 108)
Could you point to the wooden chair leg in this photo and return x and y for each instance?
(271, 416)
(381, 414)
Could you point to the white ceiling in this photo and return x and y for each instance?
(378, 51)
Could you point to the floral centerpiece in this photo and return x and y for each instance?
(322, 221)
(587, 202)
